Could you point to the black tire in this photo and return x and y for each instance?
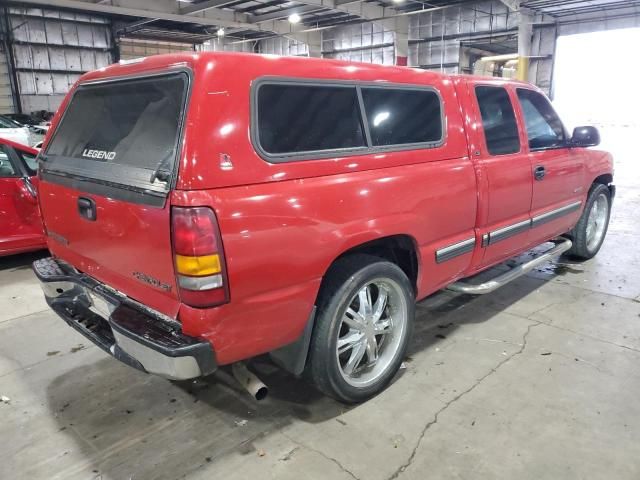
(342, 283)
(582, 249)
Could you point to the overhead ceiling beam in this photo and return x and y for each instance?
(284, 13)
(203, 6)
(168, 10)
(157, 10)
(366, 11)
(346, 2)
(208, 13)
(513, 5)
(134, 26)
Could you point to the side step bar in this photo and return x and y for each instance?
(562, 245)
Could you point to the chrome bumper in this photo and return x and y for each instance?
(121, 327)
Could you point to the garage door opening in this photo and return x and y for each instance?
(594, 85)
(593, 78)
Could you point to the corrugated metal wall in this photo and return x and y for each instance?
(283, 46)
(52, 49)
(435, 37)
(274, 46)
(6, 98)
(366, 42)
(543, 48)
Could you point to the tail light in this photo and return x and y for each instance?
(199, 258)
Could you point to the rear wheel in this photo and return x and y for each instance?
(363, 327)
(590, 231)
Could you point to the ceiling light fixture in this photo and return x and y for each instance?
(220, 32)
(294, 18)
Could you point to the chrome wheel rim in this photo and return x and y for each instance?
(371, 331)
(597, 222)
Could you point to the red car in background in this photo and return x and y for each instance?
(21, 227)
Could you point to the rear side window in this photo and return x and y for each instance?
(544, 127)
(402, 116)
(308, 118)
(498, 120)
(121, 131)
(6, 167)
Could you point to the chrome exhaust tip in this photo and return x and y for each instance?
(250, 382)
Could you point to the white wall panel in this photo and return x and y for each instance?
(366, 42)
(6, 98)
(52, 48)
(283, 46)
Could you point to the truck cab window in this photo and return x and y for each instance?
(544, 128)
(498, 120)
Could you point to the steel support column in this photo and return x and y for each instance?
(525, 34)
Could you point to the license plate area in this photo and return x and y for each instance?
(100, 305)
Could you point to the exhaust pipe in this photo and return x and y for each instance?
(249, 381)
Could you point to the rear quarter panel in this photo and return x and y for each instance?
(280, 238)
(283, 224)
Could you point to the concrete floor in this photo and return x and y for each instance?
(539, 380)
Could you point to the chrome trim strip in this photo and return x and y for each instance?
(509, 231)
(455, 250)
(553, 214)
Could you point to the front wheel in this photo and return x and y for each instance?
(363, 327)
(588, 234)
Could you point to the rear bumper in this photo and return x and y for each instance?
(130, 332)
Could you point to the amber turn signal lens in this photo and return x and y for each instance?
(198, 266)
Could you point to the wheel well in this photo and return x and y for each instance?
(398, 249)
(605, 179)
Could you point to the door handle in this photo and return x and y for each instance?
(87, 208)
(539, 172)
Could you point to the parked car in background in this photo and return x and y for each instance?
(24, 118)
(39, 129)
(203, 209)
(14, 131)
(21, 227)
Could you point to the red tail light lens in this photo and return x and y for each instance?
(199, 258)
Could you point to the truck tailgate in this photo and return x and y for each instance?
(105, 178)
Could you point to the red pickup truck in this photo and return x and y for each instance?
(206, 208)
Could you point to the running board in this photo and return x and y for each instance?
(562, 245)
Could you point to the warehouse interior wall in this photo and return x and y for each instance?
(52, 48)
(6, 94)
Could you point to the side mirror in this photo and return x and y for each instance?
(585, 137)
